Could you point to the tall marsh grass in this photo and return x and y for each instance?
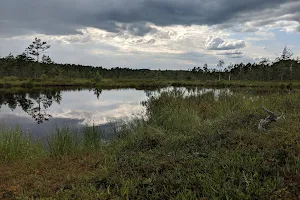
(208, 146)
(14, 145)
(92, 138)
(67, 141)
(205, 146)
(63, 142)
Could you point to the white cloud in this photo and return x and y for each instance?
(285, 25)
(169, 47)
(216, 43)
(246, 27)
(124, 111)
(230, 52)
(259, 58)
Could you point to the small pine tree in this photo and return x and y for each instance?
(97, 77)
(286, 54)
(9, 57)
(46, 60)
(37, 47)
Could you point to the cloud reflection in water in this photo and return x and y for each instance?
(75, 108)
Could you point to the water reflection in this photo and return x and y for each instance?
(191, 91)
(97, 92)
(40, 111)
(35, 104)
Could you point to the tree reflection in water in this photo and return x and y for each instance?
(97, 92)
(36, 102)
(33, 103)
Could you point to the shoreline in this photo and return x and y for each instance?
(137, 83)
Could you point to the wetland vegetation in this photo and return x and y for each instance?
(201, 146)
(204, 146)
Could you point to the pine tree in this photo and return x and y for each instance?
(37, 48)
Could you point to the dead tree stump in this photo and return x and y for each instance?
(269, 119)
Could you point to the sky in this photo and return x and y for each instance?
(152, 34)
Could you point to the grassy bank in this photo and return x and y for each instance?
(13, 82)
(197, 147)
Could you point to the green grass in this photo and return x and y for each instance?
(13, 146)
(63, 142)
(16, 145)
(197, 147)
(66, 141)
(14, 82)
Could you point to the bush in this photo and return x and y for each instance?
(97, 77)
(44, 77)
(10, 78)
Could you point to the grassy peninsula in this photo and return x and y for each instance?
(195, 147)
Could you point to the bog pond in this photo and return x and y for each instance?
(41, 111)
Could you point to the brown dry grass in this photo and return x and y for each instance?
(47, 175)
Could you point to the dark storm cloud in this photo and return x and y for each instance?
(287, 12)
(139, 29)
(59, 17)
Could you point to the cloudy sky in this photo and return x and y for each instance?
(155, 34)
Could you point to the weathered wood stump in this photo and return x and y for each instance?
(269, 119)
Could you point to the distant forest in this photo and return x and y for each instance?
(29, 65)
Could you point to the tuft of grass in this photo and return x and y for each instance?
(16, 146)
(63, 142)
(67, 141)
(91, 138)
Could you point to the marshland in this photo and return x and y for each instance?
(83, 132)
(189, 143)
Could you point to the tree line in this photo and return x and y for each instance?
(35, 64)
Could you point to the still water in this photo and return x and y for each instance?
(40, 112)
